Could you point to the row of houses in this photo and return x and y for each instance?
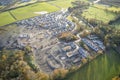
(96, 41)
(83, 52)
(90, 44)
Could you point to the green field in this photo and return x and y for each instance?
(99, 14)
(105, 67)
(62, 3)
(28, 11)
(5, 18)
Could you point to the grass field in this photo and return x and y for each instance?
(99, 14)
(5, 18)
(28, 11)
(62, 3)
(105, 67)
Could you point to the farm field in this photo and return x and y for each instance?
(5, 18)
(62, 3)
(99, 14)
(29, 11)
(105, 67)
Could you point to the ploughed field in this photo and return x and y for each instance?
(104, 67)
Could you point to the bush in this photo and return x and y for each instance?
(67, 36)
